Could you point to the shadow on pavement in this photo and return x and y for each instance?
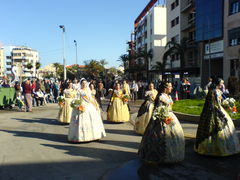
(45, 136)
(122, 132)
(48, 121)
(127, 144)
(109, 155)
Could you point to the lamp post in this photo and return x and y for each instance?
(75, 42)
(64, 59)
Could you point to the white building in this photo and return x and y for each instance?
(1, 62)
(173, 26)
(150, 34)
(20, 57)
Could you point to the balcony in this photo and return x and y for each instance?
(191, 24)
(190, 4)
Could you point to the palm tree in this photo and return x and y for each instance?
(29, 66)
(57, 66)
(160, 66)
(38, 65)
(173, 49)
(124, 58)
(146, 55)
(103, 62)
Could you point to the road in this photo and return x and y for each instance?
(34, 146)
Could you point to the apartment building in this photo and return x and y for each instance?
(1, 62)
(21, 57)
(231, 62)
(173, 31)
(209, 35)
(150, 36)
(181, 29)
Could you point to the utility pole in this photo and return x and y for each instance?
(64, 59)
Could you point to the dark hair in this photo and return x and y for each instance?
(163, 85)
(68, 85)
(92, 84)
(215, 82)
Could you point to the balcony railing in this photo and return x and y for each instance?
(190, 4)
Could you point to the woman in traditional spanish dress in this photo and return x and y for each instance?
(145, 112)
(118, 110)
(216, 134)
(65, 111)
(86, 125)
(163, 140)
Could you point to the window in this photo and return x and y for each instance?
(234, 36)
(177, 2)
(177, 21)
(172, 6)
(234, 7)
(173, 23)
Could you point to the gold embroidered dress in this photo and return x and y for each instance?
(162, 142)
(145, 112)
(216, 134)
(118, 110)
(65, 111)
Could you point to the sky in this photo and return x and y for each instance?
(100, 27)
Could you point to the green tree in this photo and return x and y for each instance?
(103, 62)
(93, 68)
(29, 66)
(57, 66)
(173, 48)
(124, 59)
(38, 65)
(146, 55)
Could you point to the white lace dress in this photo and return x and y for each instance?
(88, 125)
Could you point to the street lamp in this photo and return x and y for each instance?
(64, 59)
(75, 42)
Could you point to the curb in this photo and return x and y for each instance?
(196, 118)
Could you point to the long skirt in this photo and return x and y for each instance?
(143, 117)
(118, 111)
(86, 126)
(65, 112)
(223, 142)
(162, 143)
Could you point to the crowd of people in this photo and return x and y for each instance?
(162, 135)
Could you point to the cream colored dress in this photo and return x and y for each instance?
(88, 125)
(145, 112)
(65, 111)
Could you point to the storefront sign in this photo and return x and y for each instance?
(214, 47)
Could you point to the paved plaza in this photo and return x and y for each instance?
(34, 146)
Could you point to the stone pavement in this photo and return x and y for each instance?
(34, 146)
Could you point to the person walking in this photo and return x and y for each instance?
(145, 112)
(27, 92)
(86, 122)
(118, 110)
(163, 140)
(134, 90)
(216, 134)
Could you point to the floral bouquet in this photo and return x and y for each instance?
(162, 113)
(61, 101)
(77, 104)
(125, 98)
(229, 104)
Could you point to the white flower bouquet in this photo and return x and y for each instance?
(162, 113)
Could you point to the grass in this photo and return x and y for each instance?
(195, 106)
